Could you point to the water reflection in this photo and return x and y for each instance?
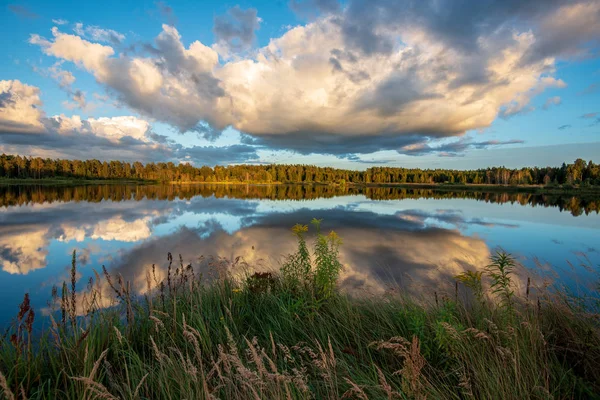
(25, 195)
(413, 238)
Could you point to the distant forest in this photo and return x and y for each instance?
(18, 167)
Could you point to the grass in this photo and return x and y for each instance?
(293, 335)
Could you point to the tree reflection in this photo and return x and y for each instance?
(32, 194)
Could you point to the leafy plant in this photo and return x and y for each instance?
(317, 274)
(327, 263)
(472, 280)
(500, 270)
(297, 269)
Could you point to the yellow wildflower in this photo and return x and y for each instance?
(298, 228)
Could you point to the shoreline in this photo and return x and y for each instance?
(70, 182)
(534, 189)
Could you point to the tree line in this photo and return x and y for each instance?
(18, 195)
(19, 167)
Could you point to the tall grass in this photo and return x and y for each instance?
(294, 336)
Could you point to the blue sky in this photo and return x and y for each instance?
(350, 84)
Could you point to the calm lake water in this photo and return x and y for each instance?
(414, 238)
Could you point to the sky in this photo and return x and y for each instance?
(351, 84)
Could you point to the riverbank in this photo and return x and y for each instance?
(293, 335)
(533, 189)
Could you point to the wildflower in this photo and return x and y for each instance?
(334, 237)
(298, 228)
(237, 290)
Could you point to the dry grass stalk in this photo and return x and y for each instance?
(136, 393)
(414, 362)
(355, 391)
(4, 386)
(96, 388)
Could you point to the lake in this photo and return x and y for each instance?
(393, 237)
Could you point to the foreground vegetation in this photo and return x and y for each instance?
(18, 167)
(294, 335)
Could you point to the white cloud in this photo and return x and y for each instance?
(317, 88)
(98, 34)
(121, 230)
(25, 129)
(92, 56)
(115, 228)
(114, 128)
(19, 107)
(305, 83)
(21, 112)
(23, 252)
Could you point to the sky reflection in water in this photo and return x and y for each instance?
(406, 237)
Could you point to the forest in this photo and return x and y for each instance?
(579, 172)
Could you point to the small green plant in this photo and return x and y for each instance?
(327, 263)
(500, 270)
(298, 270)
(472, 280)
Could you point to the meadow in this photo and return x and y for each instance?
(294, 335)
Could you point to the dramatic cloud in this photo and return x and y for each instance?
(560, 26)
(552, 101)
(563, 127)
(568, 31)
(25, 129)
(590, 115)
(371, 76)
